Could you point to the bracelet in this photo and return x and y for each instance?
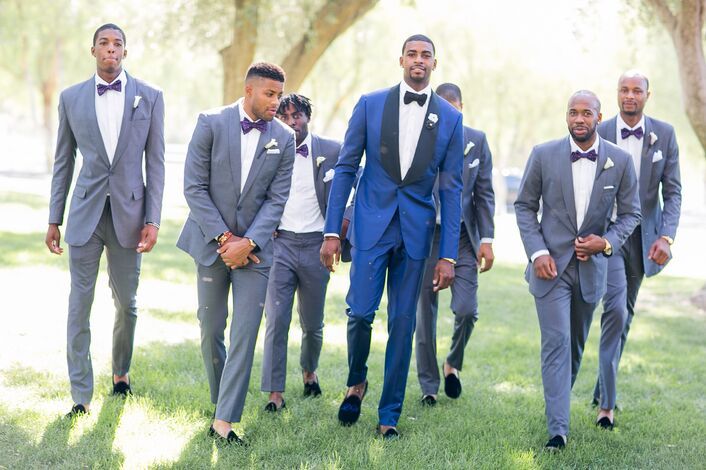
(224, 237)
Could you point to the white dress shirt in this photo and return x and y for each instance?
(302, 213)
(248, 146)
(411, 121)
(583, 173)
(632, 144)
(109, 113)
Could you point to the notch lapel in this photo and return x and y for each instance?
(259, 158)
(645, 160)
(597, 190)
(567, 181)
(424, 153)
(318, 182)
(88, 95)
(610, 130)
(234, 147)
(126, 126)
(390, 135)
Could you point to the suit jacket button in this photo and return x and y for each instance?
(238, 207)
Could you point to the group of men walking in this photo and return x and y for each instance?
(273, 207)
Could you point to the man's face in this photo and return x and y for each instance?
(297, 120)
(418, 62)
(632, 95)
(109, 51)
(582, 118)
(264, 95)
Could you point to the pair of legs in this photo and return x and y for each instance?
(464, 304)
(296, 268)
(625, 275)
(123, 278)
(404, 277)
(229, 374)
(564, 322)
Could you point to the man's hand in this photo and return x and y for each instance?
(545, 267)
(485, 257)
(148, 238)
(659, 251)
(586, 247)
(53, 239)
(330, 253)
(443, 274)
(237, 252)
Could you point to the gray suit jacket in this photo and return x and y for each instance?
(329, 149)
(548, 177)
(477, 198)
(656, 220)
(142, 134)
(212, 185)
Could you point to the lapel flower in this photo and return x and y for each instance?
(432, 119)
(468, 148)
(319, 161)
(270, 144)
(608, 164)
(136, 101)
(653, 138)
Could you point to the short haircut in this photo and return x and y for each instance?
(450, 90)
(418, 37)
(300, 102)
(265, 70)
(589, 94)
(109, 26)
(635, 74)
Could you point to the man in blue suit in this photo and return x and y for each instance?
(655, 154)
(409, 136)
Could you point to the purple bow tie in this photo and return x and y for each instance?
(576, 156)
(247, 125)
(625, 132)
(303, 150)
(115, 86)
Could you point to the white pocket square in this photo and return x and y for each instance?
(474, 163)
(272, 151)
(608, 187)
(657, 156)
(328, 176)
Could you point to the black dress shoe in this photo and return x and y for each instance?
(389, 435)
(428, 400)
(122, 388)
(605, 423)
(76, 411)
(273, 408)
(312, 389)
(555, 443)
(231, 438)
(452, 386)
(349, 411)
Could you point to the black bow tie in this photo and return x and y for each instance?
(576, 156)
(420, 98)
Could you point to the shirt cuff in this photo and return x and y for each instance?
(486, 240)
(332, 235)
(537, 254)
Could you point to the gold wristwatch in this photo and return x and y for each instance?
(668, 239)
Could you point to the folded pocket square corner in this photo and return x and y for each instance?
(474, 163)
(657, 156)
(608, 187)
(272, 151)
(328, 176)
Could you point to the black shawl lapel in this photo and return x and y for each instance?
(390, 135)
(424, 152)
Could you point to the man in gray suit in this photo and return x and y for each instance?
(296, 266)
(655, 154)
(475, 251)
(117, 123)
(236, 182)
(578, 180)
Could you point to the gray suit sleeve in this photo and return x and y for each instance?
(270, 213)
(64, 160)
(671, 190)
(154, 163)
(628, 202)
(527, 206)
(197, 169)
(483, 194)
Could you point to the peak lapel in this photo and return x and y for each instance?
(390, 135)
(126, 126)
(424, 152)
(567, 181)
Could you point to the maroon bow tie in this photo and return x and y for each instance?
(115, 86)
(303, 150)
(247, 125)
(576, 156)
(625, 132)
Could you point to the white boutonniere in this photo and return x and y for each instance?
(136, 101)
(432, 119)
(653, 138)
(468, 148)
(608, 164)
(270, 144)
(319, 161)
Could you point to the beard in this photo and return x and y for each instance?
(583, 138)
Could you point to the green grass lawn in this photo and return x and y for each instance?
(498, 422)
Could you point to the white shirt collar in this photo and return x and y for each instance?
(307, 142)
(404, 88)
(576, 148)
(122, 77)
(620, 123)
(242, 111)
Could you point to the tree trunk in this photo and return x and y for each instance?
(238, 56)
(685, 28)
